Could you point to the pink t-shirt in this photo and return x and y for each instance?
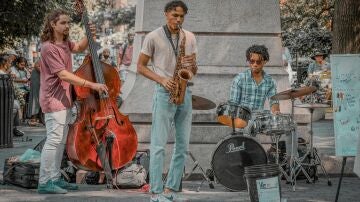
(127, 55)
(54, 93)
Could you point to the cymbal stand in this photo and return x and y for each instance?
(233, 123)
(295, 166)
(282, 171)
(203, 173)
(314, 156)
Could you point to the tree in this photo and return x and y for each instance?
(306, 25)
(302, 13)
(308, 40)
(346, 34)
(22, 19)
(121, 16)
(125, 16)
(104, 11)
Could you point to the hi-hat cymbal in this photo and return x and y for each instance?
(294, 93)
(200, 103)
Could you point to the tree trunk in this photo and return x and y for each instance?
(346, 33)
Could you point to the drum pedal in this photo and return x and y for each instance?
(204, 174)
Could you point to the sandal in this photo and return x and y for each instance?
(34, 123)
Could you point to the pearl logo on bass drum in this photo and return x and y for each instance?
(231, 148)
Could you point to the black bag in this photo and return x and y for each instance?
(92, 178)
(24, 174)
(142, 157)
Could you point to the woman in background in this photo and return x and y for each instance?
(33, 110)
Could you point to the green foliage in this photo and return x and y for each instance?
(21, 19)
(306, 41)
(302, 13)
(122, 16)
(125, 16)
(306, 25)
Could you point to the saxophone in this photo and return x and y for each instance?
(182, 74)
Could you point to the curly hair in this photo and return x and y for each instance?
(258, 49)
(173, 4)
(48, 32)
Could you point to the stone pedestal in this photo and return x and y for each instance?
(224, 30)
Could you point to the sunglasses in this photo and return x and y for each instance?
(258, 62)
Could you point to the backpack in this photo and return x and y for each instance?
(132, 176)
(135, 174)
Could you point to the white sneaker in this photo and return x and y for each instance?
(158, 198)
(172, 196)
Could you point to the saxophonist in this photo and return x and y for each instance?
(170, 49)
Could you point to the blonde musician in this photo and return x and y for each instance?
(55, 98)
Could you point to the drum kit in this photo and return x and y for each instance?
(240, 148)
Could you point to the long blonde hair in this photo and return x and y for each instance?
(48, 32)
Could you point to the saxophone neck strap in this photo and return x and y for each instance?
(168, 35)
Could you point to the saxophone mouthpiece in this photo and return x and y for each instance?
(179, 26)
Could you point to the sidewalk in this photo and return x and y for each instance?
(320, 191)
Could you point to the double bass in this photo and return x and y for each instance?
(101, 138)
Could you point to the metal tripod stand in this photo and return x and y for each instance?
(275, 138)
(294, 162)
(203, 173)
(312, 152)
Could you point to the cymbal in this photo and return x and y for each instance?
(313, 106)
(200, 103)
(294, 93)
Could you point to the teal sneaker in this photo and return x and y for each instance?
(50, 188)
(172, 196)
(65, 185)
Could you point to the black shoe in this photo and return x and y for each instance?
(18, 133)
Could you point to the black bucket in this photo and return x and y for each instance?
(263, 182)
(6, 111)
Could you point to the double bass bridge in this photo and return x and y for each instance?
(111, 116)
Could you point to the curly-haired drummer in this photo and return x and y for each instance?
(252, 87)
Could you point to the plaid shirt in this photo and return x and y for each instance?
(246, 92)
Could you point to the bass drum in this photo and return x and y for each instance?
(230, 158)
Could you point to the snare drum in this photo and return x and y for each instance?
(271, 124)
(257, 123)
(227, 111)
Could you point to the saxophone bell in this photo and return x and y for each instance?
(185, 74)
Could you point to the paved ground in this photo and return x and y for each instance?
(319, 191)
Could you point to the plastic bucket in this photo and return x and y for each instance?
(263, 182)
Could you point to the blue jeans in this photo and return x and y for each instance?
(164, 114)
